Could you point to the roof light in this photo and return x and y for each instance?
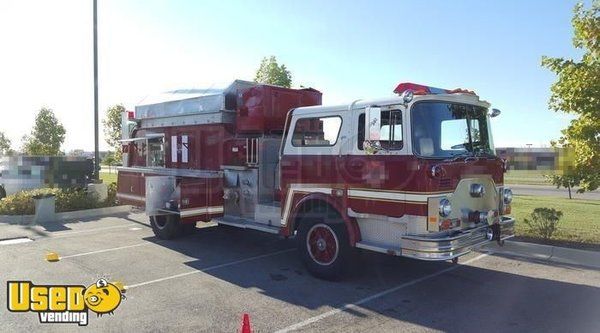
(419, 89)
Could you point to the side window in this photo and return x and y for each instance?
(156, 152)
(391, 130)
(316, 131)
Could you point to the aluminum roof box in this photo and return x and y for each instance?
(192, 101)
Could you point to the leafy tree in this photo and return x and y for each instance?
(4, 145)
(270, 72)
(47, 135)
(110, 160)
(567, 180)
(112, 128)
(577, 91)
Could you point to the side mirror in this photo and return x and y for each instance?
(372, 129)
(495, 113)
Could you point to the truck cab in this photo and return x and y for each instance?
(414, 176)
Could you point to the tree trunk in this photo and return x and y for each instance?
(569, 188)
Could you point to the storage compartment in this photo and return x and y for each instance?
(263, 108)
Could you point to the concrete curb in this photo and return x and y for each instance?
(78, 214)
(549, 253)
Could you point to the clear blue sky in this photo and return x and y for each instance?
(348, 50)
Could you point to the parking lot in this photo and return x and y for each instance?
(208, 280)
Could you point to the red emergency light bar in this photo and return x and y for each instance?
(419, 89)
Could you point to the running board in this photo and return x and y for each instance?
(246, 224)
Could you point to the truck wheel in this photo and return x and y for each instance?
(166, 226)
(324, 248)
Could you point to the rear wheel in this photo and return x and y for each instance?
(166, 226)
(324, 248)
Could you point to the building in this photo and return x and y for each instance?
(531, 158)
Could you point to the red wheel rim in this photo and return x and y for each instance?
(322, 244)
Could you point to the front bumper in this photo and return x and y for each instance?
(449, 247)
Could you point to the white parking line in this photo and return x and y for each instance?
(105, 250)
(209, 268)
(375, 296)
(76, 232)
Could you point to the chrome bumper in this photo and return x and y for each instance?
(444, 248)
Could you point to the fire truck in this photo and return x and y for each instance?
(411, 175)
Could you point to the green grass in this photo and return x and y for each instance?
(527, 177)
(108, 178)
(579, 224)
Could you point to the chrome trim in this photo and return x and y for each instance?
(447, 247)
(192, 173)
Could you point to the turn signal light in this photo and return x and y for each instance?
(449, 224)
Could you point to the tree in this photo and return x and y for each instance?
(109, 160)
(4, 145)
(47, 135)
(112, 128)
(270, 72)
(577, 91)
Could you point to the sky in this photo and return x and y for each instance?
(346, 49)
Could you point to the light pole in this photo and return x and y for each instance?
(96, 151)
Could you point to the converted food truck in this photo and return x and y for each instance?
(413, 175)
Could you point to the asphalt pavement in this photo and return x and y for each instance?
(205, 282)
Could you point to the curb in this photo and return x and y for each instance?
(549, 253)
(78, 214)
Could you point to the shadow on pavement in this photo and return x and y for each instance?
(463, 299)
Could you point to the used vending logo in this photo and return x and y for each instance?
(64, 303)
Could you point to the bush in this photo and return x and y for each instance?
(67, 200)
(544, 221)
(111, 199)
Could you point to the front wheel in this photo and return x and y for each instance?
(166, 226)
(324, 248)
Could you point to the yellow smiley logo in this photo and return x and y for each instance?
(102, 297)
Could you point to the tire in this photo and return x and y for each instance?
(324, 248)
(166, 226)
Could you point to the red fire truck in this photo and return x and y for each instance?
(413, 175)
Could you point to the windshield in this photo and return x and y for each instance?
(446, 130)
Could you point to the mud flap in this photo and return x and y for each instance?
(495, 233)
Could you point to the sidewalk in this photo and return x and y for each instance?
(548, 253)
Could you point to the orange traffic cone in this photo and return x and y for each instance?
(246, 324)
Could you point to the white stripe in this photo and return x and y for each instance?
(208, 268)
(393, 195)
(201, 211)
(69, 233)
(375, 296)
(131, 197)
(105, 250)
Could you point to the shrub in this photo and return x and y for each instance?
(111, 199)
(544, 221)
(22, 203)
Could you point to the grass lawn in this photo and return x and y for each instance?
(527, 177)
(108, 178)
(580, 222)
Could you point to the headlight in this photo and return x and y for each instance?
(507, 195)
(445, 207)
